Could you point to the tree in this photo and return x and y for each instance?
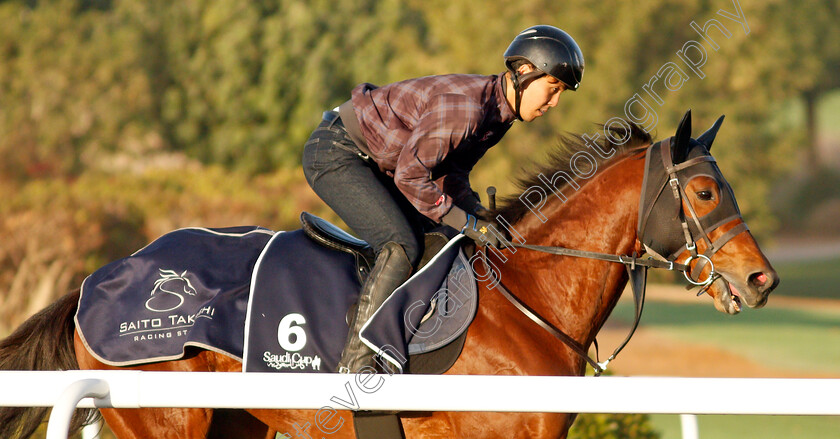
(809, 44)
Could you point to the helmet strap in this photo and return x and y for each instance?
(519, 84)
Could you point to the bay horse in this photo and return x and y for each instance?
(600, 212)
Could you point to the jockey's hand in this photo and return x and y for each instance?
(481, 231)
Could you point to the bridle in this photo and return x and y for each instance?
(725, 212)
(637, 267)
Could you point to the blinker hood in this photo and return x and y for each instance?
(661, 214)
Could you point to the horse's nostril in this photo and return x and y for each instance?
(763, 282)
(758, 279)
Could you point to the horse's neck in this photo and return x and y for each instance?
(578, 294)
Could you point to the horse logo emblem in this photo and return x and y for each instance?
(168, 293)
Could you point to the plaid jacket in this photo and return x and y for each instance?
(428, 133)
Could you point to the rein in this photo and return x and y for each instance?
(631, 261)
(636, 267)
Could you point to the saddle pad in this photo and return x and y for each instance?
(276, 301)
(296, 319)
(453, 308)
(187, 288)
(445, 284)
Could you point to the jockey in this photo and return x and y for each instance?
(394, 160)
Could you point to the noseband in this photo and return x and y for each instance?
(656, 213)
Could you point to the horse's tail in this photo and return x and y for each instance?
(43, 342)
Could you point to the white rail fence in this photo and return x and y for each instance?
(135, 389)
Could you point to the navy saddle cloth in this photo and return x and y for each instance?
(187, 288)
(275, 301)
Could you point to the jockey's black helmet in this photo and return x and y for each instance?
(550, 50)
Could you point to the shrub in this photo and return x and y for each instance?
(613, 426)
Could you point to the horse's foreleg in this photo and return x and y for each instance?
(308, 423)
(228, 424)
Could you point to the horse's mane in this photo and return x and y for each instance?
(513, 209)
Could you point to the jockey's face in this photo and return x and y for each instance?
(539, 95)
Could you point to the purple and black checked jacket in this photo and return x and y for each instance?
(428, 133)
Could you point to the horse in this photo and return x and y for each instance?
(602, 212)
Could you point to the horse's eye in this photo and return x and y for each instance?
(704, 195)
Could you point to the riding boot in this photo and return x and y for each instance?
(391, 269)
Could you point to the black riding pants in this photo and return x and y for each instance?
(364, 197)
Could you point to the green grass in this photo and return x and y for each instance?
(749, 427)
(809, 279)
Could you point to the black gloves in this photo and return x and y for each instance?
(481, 231)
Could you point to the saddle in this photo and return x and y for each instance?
(325, 233)
(330, 236)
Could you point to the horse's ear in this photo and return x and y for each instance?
(709, 136)
(682, 140)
